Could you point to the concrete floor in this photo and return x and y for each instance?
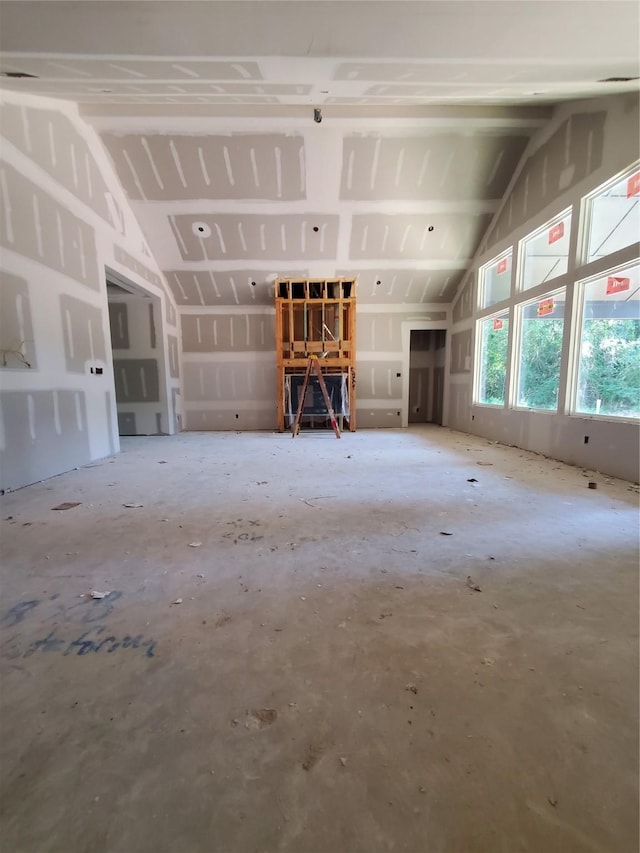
(332, 681)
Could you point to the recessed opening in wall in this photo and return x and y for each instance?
(139, 369)
(426, 376)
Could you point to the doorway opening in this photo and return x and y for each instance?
(135, 323)
(427, 353)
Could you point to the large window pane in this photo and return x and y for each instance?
(540, 352)
(495, 280)
(609, 359)
(614, 216)
(494, 335)
(545, 254)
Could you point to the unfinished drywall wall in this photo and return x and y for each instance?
(584, 145)
(64, 219)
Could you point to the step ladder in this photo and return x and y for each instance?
(313, 365)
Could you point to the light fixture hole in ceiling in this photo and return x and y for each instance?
(253, 284)
(315, 228)
(430, 228)
(201, 229)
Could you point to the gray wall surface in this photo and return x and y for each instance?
(585, 145)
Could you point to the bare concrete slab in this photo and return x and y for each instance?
(399, 641)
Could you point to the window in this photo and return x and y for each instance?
(495, 280)
(542, 325)
(493, 342)
(614, 215)
(609, 355)
(545, 254)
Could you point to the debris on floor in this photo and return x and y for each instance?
(133, 506)
(473, 585)
(313, 756)
(445, 533)
(343, 761)
(486, 464)
(67, 505)
(195, 544)
(412, 688)
(95, 594)
(472, 480)
(177, 601)
(593, 484)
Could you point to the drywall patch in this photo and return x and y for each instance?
(119, 325)
(127, 423)
(49, 138)
(45, 434)
(174, 363)
(270, 237)
(136, 380)
(229, 381)
(442, 236)
(228, 332)
(107, 403)
(572, 153)
(17, 347)
(36, 226)
(411, 286)
(82, 332)
(463, 307)
(162, 167)
(225, 287)
(461, 351)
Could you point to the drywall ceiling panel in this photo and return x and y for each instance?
(272, 238)
(230, 287)
(410, 286)
(447, 166)
(443, 236)
(71, 68)
(160, 167)
(36, 226)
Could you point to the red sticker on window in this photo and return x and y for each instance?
(556, 232)
(503, 265)
(545, 307)
(633, 185)
(616, 284)
(498, 325)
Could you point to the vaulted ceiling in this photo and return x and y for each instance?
(207, 112)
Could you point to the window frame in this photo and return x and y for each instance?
(510, 253)
(577, 330)
(478, 364)
(521, 290)
(518, 326)
(586, 216)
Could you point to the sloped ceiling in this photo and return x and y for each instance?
(207, 112)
